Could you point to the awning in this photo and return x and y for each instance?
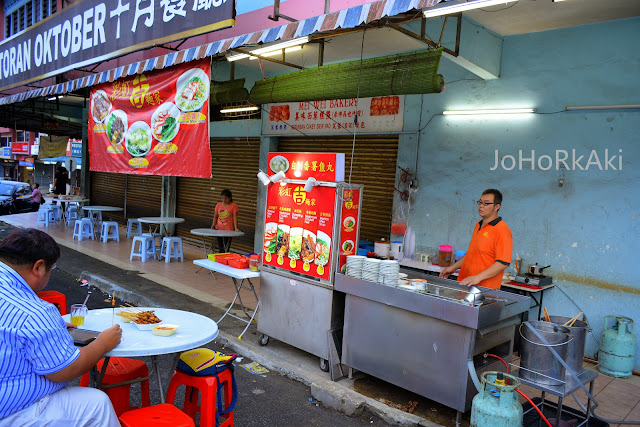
(345, 18)
(62, 159)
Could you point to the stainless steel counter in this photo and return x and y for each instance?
(425, 341)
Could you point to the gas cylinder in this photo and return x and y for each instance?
(617, 350)
(497, 403)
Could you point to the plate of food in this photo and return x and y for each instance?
(349, 222)
(139, 139)
(279, 163)
(100, 106)
(192, 90)
(347, 247)
(116, 126)
(323, 248)
(165, 122)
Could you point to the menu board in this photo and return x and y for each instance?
(321, 166)
(154, 123)
(299, 229)
(349, 227)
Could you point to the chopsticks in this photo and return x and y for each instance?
(546, 314)
(571, 321)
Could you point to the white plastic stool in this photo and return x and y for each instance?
(57, 212)
(71, 216)
(109, 230)
(157, 242)
(171, 248)
(46, 216)
(130, 227)
(146, 250)
(83, 229)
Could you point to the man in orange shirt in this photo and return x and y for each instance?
(490, 247)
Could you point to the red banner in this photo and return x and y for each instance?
(349, 227)
(155, 123)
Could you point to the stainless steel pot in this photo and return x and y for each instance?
(536, 270)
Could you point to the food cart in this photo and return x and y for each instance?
(308, 235)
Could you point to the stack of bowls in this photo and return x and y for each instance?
(354, 265)
(388, 273)
(371, 269)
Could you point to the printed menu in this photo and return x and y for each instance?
(349, 227)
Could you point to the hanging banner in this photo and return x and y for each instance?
(53, 146)
(336, 116)
(155, 123)
(321, 166)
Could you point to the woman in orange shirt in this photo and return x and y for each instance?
(225, 218)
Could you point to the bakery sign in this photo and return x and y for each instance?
(335, 116)
(92, 31)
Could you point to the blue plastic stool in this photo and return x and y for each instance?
(71, 216)
(46, 216)
(109, 230)
(83, 229)
(171, 248)
(157, 242)
(130, 227)
(146, 250)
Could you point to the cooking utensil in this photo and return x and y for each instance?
(546, 314)
(536, 270)
(571, 321)
(475, 295)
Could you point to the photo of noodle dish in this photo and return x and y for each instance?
(192, 90)
(139, 139)
(165, 122)
(323, 248)
(100, 106)
(116, 126)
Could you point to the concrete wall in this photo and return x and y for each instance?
(588, 228)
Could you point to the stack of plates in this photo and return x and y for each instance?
(371, 269)
(354, 265)
(388, 273)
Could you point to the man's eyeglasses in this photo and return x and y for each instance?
(483, 203)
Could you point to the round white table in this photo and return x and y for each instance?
(160, 221)
(76, 201)
(210, 232)
(95, 213)
(195, 330)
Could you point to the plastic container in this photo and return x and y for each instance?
(254, 262)
(445, 255)
(164, 330)
(398, 228)
(460, 254)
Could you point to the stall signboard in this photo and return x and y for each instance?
(299, 229)
(154, 123)
(336, 116)
(6, 152)
(93, 31)
(349, 227)
(76, 148)
(321, 166)
(25, 163)
(20, 147)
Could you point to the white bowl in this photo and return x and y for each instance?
(164, 329)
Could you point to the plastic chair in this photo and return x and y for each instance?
(208, 387)
(122, 369)
(162, 415)
(171, 248)
(71, 215)
(130, 227)
(54, 297)
(146, 250)
(57, 211)
(46, 216)
(109, 230)
(157, 242)
(83, 229)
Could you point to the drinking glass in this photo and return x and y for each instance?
(78, 313)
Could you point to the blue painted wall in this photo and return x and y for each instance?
(588, 229)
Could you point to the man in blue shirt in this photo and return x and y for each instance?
(37, 355)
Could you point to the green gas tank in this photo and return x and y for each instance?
(617, 351)
(497, 404)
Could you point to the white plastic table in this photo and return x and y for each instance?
(95, 213)
(210, 232)
(160, 221)
(195, 330)
(235, 274)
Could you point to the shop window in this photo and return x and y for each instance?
(24, 14)
(5, 141)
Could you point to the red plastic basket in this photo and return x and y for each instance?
(239, 263)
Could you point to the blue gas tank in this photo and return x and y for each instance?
(497, 404)
(617, 351)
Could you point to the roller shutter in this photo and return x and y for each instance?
(374, 166)
(142, 194)
(234, 163)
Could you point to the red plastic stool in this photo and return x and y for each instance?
(163, 415)
(208, 386)
(55, 297)
(122, 369)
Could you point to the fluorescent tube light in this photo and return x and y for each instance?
(278, 46)
(239, 109)
(277, 52)
(456, 7)
(482, 112)
(53, 98)
(603, 107)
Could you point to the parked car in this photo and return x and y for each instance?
(15, 197)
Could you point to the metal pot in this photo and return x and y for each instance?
(536, 270)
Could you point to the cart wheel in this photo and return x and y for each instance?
(324, 365)
(264, 340)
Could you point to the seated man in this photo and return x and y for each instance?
(37, 355)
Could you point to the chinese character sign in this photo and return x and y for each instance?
(321, 166)
(154, 123)
(91, 31)
(337, 116)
